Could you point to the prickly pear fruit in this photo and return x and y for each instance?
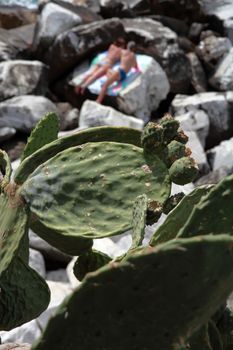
(170, 128)
(89, 262)
(183, 171)
(98, 134)
(45, 132)
(118, 293)
(172, 202)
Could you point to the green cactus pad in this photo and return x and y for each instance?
(172, 202)
(24, 294)
(98, 134)
(69, 245)
(200, 340)
(183, 171)
(139, 220)
(88, 191)
(176, 150)
(145, 302)
(214, 336)
(45, 132)
(152, 136)
(170, 127)
(5, 170)
(177, 218)
(89, 262)
(213, 214)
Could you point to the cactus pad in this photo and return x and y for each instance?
(213, 214)
(145, 302)
(98, 134)
(178, 216)
(45, 132)
(88, 191)
(183, 171)
(139, 220)
(89, 262)
(5, 170)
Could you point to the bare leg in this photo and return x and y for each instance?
(96, 75)
(114, 77)
(78, 88)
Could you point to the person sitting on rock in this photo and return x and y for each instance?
(128, 61)
(101, 68)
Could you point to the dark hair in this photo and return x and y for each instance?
(120, 41)
(131, 45)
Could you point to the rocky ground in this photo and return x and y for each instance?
(190, 75)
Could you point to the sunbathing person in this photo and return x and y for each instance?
(128, 61)
(101, 68)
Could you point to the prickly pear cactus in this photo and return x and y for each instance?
(146, 297)
(177, 218)
(213, 214)
(5, 170)
(139, 220)
(45, 132)
(24, 294)
(88, 191)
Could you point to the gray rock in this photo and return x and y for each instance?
(48, 251)
(59, 275)
(94, 114)
(160, 42)
(6, 133)
(23, 112)
(216, 105)
(198, 152)
(15, 346)
(69, 116)
(16, 16)
(76, 44)
(213, 177)
(54, 19)
(92, 5)
(7, 52)
(211, 49)
(20, 77)
(222, 79)
(221, 155)
(198, 79)
(197, 121)
(115, 8)
(74, 282)
(36, 262)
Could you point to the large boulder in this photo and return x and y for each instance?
(198, 80)
(160, 42)
(23, 112)
(6, 133)
(221, 156)
(218, 106)
(94, 114)
(93, 5)
(222, 79)
(20, 77)
(78, 43)
(16, 16)
(121, 8)
(54, 20)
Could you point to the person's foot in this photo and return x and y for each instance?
(82, 90)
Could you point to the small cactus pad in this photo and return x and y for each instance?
(152, 136)
(145, 301)
(176, 150)
(24, 294)
(139, 220)
(88, 191)
(178, 216)
(45, 132)
(183, 171)
(213, 214)
(98, 134)
(89, 262)
(5, 170)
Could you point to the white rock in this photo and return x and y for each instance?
(15, 346)
(6, 133)
(114, 246)
(20, 77)
(94, 114)
(213, 48)
(59, 275)
(214, 104)
(197, 121)
(74, 282)
(145, 93)
(222, 155)
(222, 79)
(36, 262)
(23, 112)
(54, 19)
(198, 152)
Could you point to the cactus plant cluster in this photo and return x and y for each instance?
(98, 183)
